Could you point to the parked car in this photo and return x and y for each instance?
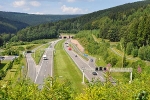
(75, 55)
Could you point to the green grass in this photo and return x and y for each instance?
(2, 65)
(11, 73)
(119, 76)
(66, 68)
(100, 62)
(39, 52)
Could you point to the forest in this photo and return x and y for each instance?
(33, 19)
(129, 21)
(12, 22)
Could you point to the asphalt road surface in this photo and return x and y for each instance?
(31, 67)
(46, 66)
(8, 57)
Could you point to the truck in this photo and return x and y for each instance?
(44, 57)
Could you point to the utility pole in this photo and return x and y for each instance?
(83, 68)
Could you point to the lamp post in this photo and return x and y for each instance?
(83, 68)
(34, 53)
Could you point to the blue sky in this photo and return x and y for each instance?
(59, 6)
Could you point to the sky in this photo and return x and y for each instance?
(59, 6)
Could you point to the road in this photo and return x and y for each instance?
(38, 73)
(92, 65)
(46, 66)
(86, 66)
(31, 67)
(11, 58)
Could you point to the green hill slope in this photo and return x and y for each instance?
(33, 19)
(10, 26)
(114, 23)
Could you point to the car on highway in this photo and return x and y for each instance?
(91, 60)
(2, 58)
(94, 73)
(70, 48)
(44, 57)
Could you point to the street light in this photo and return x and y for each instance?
(83, 68)
(34, 53)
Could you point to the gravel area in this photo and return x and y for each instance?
(78, 45)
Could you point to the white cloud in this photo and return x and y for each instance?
(72, 10)
(71, 0)
(38, 13)
(35, 3)
(25, 3)
(19, 3)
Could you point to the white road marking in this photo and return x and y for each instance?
(52, 64)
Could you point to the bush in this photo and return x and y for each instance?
(21, 48)
(2, 74)
(29, 47)
(134, 52)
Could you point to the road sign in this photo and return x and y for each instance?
(22, 67)
(85, 55)
(121, 69)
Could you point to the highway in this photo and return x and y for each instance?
(86, 66)
(32, 67)
(92, 65)
(45, 66)
(38, 73)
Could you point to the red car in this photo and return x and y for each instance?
(69, 48)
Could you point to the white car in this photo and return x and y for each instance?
(44, 57)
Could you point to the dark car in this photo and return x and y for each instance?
(28, 51)
(2, 58)
(75, 55)
(94, 73)
(91, 60)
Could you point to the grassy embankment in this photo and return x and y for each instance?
(65, 68)
(113, 50)
(117, 75)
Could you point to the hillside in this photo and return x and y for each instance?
(10, 26)
(33, 19)
(114, 23)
